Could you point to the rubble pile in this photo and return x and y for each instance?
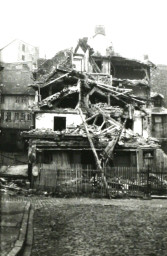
(107, 132)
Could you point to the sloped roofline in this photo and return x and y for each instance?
(14, 41)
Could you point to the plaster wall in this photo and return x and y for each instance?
(46, 120)
(138, 125)
(14, 52)
(10, 53)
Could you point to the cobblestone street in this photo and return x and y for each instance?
(99, 227)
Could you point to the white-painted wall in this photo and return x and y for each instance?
(46, 120)
(138, 123)
(81, 62)
(10, 53)
(99, 43)
(14, 52)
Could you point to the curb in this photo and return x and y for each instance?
(19, 244)
(29, 238)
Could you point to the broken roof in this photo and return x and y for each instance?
(155, 94)
(101, 135)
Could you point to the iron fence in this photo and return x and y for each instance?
(84, 180)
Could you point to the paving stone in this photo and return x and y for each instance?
(86, 226)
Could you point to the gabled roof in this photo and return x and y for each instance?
(8, 44)
(13, 42)
(155, 94)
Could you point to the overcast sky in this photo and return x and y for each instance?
(135, 27)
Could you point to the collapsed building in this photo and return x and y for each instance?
(91, 110)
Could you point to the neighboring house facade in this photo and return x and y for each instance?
(16, 97)
(20, 51)
(159, 81)
(159, 119)
(18, 60)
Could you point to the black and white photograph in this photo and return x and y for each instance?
(83, 128)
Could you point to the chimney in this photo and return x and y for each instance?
(146, 57)
(100, 29)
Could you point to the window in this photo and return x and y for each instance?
(158, 102)
(8, 116)
(2, 115)
(17, 99)
(157, 119)
(22, 118)
(29, 117)
(23, 47)
(16, 116)
(99, 64)
(1, 99)
(23, 57)
(59, 123)
(24, 99)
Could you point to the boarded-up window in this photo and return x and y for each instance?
(59, 123)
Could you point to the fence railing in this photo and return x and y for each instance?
(79, 179)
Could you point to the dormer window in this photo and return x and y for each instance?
(158, 102)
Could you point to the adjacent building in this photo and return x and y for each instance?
(20, 51)
(18, 60)
(159, 119)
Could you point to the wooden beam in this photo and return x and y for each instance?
(98, 163)
(51, 82)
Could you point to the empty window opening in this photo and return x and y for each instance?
(59, 123)
(99, 64)
(69, 102)
(128, 124)
(97, 97)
